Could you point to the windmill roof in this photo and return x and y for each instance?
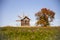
(25, 17)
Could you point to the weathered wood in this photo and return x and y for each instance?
(24, 21)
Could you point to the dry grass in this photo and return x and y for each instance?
(29, 33)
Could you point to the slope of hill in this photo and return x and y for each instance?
(29, 33)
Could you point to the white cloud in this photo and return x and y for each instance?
(56, 22)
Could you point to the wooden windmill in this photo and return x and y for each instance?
(25, 21)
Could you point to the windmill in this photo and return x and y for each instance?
(24, 20)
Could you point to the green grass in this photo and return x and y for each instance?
(29, 33)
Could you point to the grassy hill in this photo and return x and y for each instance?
(29, 33)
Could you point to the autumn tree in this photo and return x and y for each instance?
(44, 17)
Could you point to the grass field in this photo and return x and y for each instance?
(29, 33)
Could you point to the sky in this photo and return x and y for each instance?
(10, 9)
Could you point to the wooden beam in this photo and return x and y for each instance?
(18, 20)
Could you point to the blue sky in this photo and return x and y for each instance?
(10, 9)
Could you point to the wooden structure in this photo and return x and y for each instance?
(25, 21)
